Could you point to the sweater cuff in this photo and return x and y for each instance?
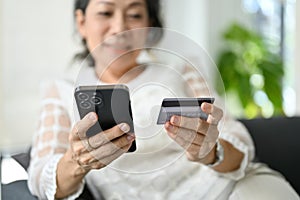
(242, 147)
(48, 182)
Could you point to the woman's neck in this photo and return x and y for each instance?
(117, 75)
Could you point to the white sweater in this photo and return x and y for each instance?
(159, 168)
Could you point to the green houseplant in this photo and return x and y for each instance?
(251, 72)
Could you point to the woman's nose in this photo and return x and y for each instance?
(118, 24)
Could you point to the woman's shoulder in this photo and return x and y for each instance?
(49, 84)
(55, 88)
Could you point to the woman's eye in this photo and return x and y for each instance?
(105, 14)
(135, 16)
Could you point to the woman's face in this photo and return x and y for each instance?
(103, 22)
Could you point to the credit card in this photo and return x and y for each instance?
(187, 107)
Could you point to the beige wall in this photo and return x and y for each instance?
(297, 57)
(178, 14)
(37, 44)
(1, 73)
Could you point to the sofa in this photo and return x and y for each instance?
(277, 142)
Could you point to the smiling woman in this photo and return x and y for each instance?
(171, 161)
(98, 20)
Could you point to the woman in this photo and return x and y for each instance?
(62, 157)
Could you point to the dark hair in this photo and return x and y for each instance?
(153, 9)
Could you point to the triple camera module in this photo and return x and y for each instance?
(87, 101)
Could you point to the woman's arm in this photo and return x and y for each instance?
(234, 138)
(62, 156)
(50, 143)
(232, 158)
(85, 153)
(195, 134)
(192, 133)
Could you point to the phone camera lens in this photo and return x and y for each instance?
(83, 96)
(85, 105)
(96, 100)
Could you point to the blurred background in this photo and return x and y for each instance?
(253, 42)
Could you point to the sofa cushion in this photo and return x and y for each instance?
(18, 190)
(277, 142)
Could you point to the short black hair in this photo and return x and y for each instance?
(153, 9)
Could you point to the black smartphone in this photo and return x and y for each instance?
(110, 102)
(188, 107)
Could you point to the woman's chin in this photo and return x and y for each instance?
(116, 58)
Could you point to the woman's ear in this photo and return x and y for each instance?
(80, 22)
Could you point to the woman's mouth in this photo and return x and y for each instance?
(117, 48)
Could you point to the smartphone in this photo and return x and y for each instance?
(110, 102)
(188, 107)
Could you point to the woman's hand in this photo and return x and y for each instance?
(195, 135)
(89, 153)
(101, 149)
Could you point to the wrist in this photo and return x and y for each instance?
(219, 155)
(70, 163)
(68, 169)
(210, 157)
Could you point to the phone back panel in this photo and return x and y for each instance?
(110, 102)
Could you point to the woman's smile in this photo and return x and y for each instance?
(117, 48)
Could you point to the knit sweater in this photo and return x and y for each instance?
(159, 168)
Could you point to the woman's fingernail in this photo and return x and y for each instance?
(130, 137)
(92, 116)
(124, 127)
(175, 120)
(169, 126)
(205, 106)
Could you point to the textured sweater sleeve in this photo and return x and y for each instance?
(231, 130)
(49, 144)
